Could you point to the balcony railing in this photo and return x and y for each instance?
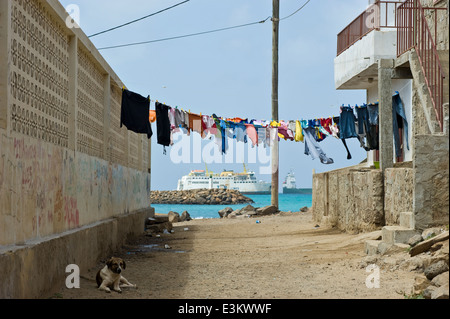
(379, 15)
(414, 32)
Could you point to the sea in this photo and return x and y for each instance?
(286, 203)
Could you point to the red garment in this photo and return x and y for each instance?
(326, 123)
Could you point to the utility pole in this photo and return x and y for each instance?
(275, 146)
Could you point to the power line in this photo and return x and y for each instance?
(184, 36)
(295, 11)
(134, 21)
(198, 33)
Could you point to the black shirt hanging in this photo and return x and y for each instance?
(162, 124)
(135, 113)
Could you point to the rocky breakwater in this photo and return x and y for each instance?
(200, 197)
(249, 211)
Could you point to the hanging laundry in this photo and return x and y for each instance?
(209, 126)
(195, 123)
(347, 127)
(312, 147)
(240, 132)
(152, 116)
(135, 113)
(162, 124)
(326, 124)
(399, 121)
(336, 132)
(365, 129)
(252, 134)
(298, 132)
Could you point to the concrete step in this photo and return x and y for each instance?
(397, 234)
(407, 220)
(374, 247)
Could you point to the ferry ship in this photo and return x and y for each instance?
(290, 186)
(245, 182)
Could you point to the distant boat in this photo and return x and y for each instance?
(245, 182)
(290, 186)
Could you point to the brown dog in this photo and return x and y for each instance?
(110, 276)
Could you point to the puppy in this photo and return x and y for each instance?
(110, 276)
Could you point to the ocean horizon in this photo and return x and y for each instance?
(286, 202)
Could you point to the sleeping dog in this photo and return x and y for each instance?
(110, 276)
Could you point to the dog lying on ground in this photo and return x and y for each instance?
(110, 276)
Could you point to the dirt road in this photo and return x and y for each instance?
(282, 257)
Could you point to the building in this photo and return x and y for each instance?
(73, 184)
(394, 46)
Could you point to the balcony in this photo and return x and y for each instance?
(369, 37)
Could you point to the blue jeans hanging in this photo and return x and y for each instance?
(347, 123)
(398, 109)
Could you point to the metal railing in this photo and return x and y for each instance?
(413, 32)
(381, 14)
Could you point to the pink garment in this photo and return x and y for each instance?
(252, 134)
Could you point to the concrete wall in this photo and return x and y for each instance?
(431, 192)
(398, 193)
(350, 199)
(362, 59)
(357, 199)
(68, 172)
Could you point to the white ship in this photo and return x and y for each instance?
(290, 186)
(245, 182)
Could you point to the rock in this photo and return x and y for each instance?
(158, 228)
(441, 280)
(223, 213)
(425, 245)
(174, 217)
(185, 217)
(248, 208)
(304, 209)
(199, 197)
(430, 232)
(420, 284)
(428, 292)
(435, 269)
(161, 218)
(232, 214)
(415, 240)
(268, 210)
(441, 292)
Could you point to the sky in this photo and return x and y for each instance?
(229, 73)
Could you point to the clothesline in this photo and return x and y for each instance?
(137, 115)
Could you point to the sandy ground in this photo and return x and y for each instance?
(282, 257)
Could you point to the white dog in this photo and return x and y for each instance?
(110, 276)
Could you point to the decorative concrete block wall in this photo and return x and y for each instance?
(64, 160)
(73, 184)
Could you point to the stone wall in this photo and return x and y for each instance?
(360, 200)
(431, 169)
(350, 199)
(398, 193)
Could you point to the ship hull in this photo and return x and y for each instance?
(306, 191)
